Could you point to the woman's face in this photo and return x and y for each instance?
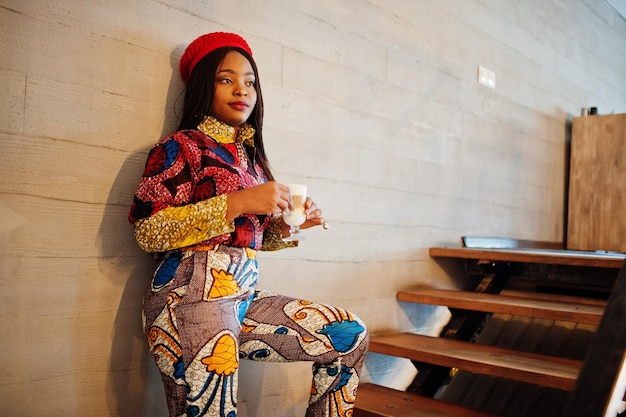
(235, 95)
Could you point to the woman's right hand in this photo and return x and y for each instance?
(266, 198)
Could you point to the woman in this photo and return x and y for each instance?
(206, 203)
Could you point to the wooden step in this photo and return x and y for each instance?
(377, 401)
(554, 308)
(572, 299)
(536, 369)
(539, 256)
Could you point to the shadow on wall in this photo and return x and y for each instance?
(273, 389)
(134, 385)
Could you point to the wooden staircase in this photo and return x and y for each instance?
(494, 367)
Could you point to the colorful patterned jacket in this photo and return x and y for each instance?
(180, 202)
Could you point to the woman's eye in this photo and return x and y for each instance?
(224, 80)
(250, 83)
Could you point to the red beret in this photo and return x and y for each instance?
(209, 42)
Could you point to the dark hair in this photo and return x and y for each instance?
(199, 100)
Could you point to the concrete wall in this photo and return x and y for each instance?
(374, 104)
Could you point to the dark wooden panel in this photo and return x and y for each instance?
(459, 388)
(507, 337)
(603, 363)
(597, 185)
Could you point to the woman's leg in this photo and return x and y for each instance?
(209, 331)
(283, 329)
(194, 339)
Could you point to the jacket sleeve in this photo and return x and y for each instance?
(178, 227)
(162, 213)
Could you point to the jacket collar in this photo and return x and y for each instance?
(225, 133)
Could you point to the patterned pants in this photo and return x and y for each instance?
(202, 315)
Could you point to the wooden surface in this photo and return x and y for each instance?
(377, 401)
(540, 307)
(597, 188)
(552, 297)
(602, 378)
(552, 372)
(511, 398)
(541, 256)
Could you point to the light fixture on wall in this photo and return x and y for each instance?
(486, 77)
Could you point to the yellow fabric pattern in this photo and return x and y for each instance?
(223, 284)
(223, 359)
(225, 133)
(178, 227)
(273, 236)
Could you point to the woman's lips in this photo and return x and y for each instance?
(238, 105)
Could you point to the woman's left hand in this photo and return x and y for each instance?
(313, 215)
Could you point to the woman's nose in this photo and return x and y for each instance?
(241, 91)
